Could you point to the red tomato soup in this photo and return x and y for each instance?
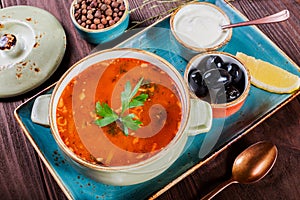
(104, 82)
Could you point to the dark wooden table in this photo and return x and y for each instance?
(24, 176)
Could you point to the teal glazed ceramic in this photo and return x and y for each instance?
(102, 35)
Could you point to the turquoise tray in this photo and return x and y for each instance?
(199, 149)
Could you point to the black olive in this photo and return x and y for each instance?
(215, 61)
(221, 96)
(234, 70)
(241, 84)
(226, 66)
(217, 78)
(204, 64)
(196, 83)
(232, 93)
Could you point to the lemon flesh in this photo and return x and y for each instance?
(269, 77)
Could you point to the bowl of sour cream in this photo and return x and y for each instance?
(196, 28)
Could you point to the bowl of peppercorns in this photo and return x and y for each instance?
(220, 79)
(100, 21)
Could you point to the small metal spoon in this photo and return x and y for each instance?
(250, 166)
(277, 17)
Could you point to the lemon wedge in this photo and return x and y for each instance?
(269, 77)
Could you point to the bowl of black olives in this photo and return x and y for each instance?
(220, 79)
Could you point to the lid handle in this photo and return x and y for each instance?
(7, 41)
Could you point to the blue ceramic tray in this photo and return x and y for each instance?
(199, 149)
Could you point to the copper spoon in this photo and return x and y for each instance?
(277, 17)
(250, 166)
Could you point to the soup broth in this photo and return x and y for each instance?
(160, 115)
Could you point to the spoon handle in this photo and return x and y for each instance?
(277, 17)
(218, 189)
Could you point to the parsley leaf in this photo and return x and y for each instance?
(128, 100)
(109, 116)
(127, 95)
(130, 123)
(138, 100)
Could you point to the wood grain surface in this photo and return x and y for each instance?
(24, 176)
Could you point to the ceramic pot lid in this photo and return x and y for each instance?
(32, 45)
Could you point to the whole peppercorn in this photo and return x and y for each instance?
(98, 14)
(93, 26)
(103, 21)
(84, 11)
(103, 7)
(83, 18)
(111, 22)
(100, 26)
(116, 19)
(114, 4)
(94, 4)
(89, 12)
(89, 16)
(108, 12)
(107, 2)
(97, 21)
(76, 6)
(89, 22)
(122, 7)
(76, 15)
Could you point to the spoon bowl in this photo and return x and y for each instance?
(254, 162)
(250, 166)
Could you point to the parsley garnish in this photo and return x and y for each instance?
(128, 100)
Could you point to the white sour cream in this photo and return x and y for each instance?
(199, 26)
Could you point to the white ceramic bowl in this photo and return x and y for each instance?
(196, 28)
(192, 123)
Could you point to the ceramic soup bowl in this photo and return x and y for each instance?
(109, 153)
